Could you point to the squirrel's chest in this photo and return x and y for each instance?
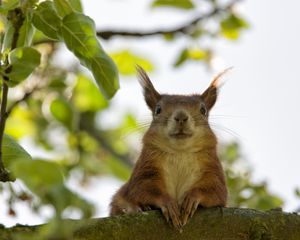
(180, 172)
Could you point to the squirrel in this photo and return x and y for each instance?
(178, 169)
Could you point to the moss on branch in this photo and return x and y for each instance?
(215, 223)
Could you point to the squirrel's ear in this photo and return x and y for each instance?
(211, 93)
(150, 94)
(210, 96)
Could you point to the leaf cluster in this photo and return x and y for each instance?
(25, 67)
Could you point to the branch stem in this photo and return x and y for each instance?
(3, 173)
(184, 28)
(17, 18)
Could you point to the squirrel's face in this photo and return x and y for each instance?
(179, 122)
(180, 117)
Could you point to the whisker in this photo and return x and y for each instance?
(145, 124)
(225, 116)
(225, 129)
(147, 118)
(136, 128)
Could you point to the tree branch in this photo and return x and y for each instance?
(184, 28)
(17, 18)
(214, 223)
(4, 176)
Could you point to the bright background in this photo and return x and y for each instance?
(260, 100)
(258, 105)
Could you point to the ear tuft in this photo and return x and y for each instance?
(211, 93)
(215, 81)
(150, 94)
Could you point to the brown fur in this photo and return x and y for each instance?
(178, 168)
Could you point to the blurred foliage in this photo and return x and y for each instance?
(232, 25)
(183, 4)
(193, 54)
(243, 190)
(57, 109)
(126, 62)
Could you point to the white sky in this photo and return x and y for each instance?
(260, 100)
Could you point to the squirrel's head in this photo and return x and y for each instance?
(180, 122)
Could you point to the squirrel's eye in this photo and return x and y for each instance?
(157, 109)
(203, 110)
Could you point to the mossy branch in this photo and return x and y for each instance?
(215, 223)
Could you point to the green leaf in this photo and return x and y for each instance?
(65, 7)
(62, 111)
(13, 152)
(182, 4)
(87, 97)
(26, 32)
(38, 175)
(22, 62)
(77, 6)
(45, 179)
(8, 36)
(182, 57)
(126, 62)
(232, 25)
(78, 32)
(39, 36)
(191, 54)
(46, 19)
(7, 5)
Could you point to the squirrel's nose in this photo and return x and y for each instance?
(181, 117)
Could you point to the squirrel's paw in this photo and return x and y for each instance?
(170, 210)
(146, 208)
(188, 207)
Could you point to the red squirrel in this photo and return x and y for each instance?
(178, 169)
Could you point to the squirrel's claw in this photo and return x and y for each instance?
(146, 208)
(171, 213)
(188, 208)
